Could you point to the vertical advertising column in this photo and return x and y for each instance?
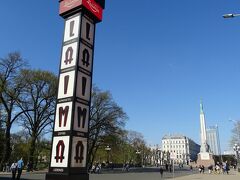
(70, 136)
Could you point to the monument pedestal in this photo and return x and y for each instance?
(205, 159)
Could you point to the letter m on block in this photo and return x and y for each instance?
(63, 115)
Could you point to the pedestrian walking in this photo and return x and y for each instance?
(191, 168)
(14, 170)
(227, 167)
(200, 169)
(210, 169)
(20, 165)
(127, 166)
(7, 167)
(166, 166)
(170, 168)
(161, 171)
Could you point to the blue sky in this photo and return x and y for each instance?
(158, 58)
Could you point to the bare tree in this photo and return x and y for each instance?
(10, 91)
(235, 139)
(135, 139)
(106, 118)
(38, 104)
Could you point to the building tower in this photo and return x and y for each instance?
(213, 140)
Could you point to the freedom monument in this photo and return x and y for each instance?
(205, 157)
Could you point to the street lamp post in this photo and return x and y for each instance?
(158, 156)
(108, 149)
(139, 152)
(236, 148)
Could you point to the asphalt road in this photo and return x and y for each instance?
(134, 174)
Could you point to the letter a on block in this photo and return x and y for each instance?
(69, 55)
(60, 151)
(86, 58)
(79, 152)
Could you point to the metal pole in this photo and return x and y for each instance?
(173, 168)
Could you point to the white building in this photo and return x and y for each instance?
(183, 148)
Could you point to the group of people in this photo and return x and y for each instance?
(96, 168)
(126, 167)
(201, 169)
(17, 168)
(219, 168)
(168, 167)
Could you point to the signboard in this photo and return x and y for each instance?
(70, 136)
(173, 156)
(93, 7)
(205, 156)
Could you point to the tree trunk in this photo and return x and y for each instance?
(32, 150)
(7, 146)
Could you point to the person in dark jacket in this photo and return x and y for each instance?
(14, 170)
(161, 171)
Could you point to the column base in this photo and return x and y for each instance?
(54, 176)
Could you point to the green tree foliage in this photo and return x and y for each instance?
(20, 146)
(106, 119)
(42, 154)
(21, 142)
(38, 104)
(128, 147)
(138, 147)
(10, 91)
